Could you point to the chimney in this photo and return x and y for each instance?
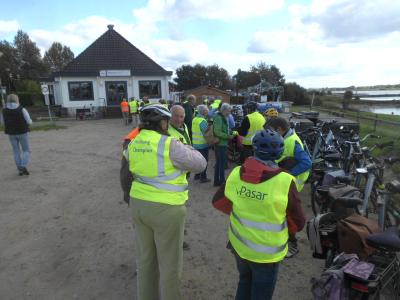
(110, 27)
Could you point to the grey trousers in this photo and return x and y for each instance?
(159, 254)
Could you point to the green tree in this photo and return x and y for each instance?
(57, 57)
(347, 96)
(217, 77)
(244, 79)
(8, 64)
(296, 94)
(29, 60)
(270, 73)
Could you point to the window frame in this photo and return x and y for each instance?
(147, 94)
(73, 98)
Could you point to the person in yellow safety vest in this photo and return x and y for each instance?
(294, 159)
(216, 103)
(134, 110)
(145, 101)
(264, 208)
(199, 128)
(253, 122)
(158, 194)
(177, 128)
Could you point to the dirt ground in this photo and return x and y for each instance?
(66, 234)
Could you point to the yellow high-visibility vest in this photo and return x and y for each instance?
(257, 122)
(155, 177)
(290, 143)
(179, 136)
(197, 134)
(258, 227)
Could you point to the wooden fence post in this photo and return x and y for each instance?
(376, 121)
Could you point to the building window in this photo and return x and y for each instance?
(150, 88)
(80, 91)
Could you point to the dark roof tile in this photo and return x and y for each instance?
(111, 51)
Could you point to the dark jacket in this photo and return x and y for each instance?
(14, 121)
(189, 111)
(254, 171)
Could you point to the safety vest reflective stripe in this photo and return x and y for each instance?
(260, 225)
(155, 177)
(165, 186)
(249, 136)
(161, 178)
(257, 247)
(197, 135)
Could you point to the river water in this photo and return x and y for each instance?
(378, 95)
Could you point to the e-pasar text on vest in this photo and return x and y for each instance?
(245, 192)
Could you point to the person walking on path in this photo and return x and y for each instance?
(125, 111)
(295, 160)
(220, 127)
(16, 125)
(199, 128)
(159, 191)
(264, 207)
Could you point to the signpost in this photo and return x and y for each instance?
(45, 92)
(3, 93)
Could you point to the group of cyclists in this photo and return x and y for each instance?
(261, 196)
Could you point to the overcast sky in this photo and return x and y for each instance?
(317, 43)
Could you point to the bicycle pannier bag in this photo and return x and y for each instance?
(352, 234)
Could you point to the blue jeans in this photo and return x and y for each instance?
(204, 152)
(256, 281)
(221, 160)
(16, 141)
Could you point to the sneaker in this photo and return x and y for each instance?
(185, 246)
(20, 172)
(293, 249)
(24, 171)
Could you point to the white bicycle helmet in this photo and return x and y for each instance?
(154, 113)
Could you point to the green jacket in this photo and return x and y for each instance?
(220, 126)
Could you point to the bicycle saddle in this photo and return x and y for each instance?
(343, 179)
(393, 186)
(332, 156)
(389, 240)
(349, 202)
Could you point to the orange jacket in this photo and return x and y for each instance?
(124, 106)
(129, 137)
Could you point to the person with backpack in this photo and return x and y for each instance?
(16, 125)
(158, 194)
(263, 206)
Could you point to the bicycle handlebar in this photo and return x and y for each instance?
(384, 145)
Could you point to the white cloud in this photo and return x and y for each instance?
(7, 27)
(354, 20)
(159, 10)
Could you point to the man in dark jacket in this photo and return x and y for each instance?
(16, 125)
(189, 105)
